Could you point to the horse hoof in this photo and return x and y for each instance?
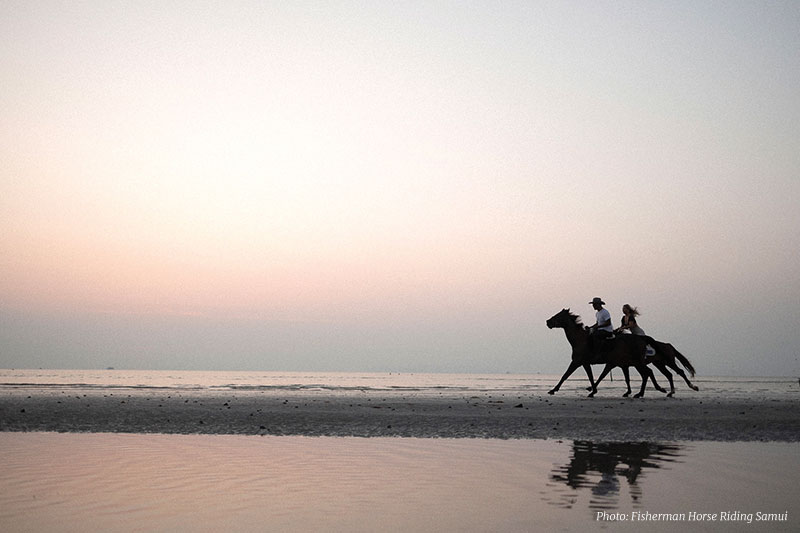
(695, 387)
(662, 390)
(638, 395)
(669, 395)
(626, 394)
(551, 392)
(589, 389)
(591, 394)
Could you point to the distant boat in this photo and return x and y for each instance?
(109, 368)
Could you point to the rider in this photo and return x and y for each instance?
(629, 325)
(602, 329)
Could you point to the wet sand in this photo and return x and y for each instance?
(386, 414)
(121, 482)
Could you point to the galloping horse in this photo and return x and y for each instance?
(623, 351)
(665, 356)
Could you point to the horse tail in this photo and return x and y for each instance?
(669, 351)
(685, 362)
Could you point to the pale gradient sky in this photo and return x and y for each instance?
(396, 186)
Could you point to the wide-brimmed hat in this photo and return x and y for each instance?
(597, 300)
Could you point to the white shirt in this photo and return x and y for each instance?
(604, 316)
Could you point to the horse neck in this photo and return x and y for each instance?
(576, 335)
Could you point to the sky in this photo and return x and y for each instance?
(396, 186)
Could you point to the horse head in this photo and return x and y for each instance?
(560, 319)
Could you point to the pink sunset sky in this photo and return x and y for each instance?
(396, 187)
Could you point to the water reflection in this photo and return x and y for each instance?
(597, 468)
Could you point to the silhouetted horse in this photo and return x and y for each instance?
(622, 351)
(665, 356)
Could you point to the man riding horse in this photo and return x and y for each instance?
(602, 328)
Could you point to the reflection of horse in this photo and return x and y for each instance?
(605, 459)
(622, 351)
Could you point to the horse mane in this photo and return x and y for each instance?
(576, 319)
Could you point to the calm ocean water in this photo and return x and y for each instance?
(333, 382)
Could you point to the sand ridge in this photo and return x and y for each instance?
(378, 413)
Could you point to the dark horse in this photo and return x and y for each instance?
(665, 356)
(622, 351)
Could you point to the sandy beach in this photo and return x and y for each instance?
(567, 415)
(248, 451)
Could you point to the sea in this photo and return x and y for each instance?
(421, 384)
(152, 482)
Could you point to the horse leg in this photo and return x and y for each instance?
(658, 387)
(663, 368)
(645, 373)
(682, 374)
(627, 375)
(691, 385)
(593, 385)
(605, 372)
(573, 366)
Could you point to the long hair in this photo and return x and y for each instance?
(633, 310)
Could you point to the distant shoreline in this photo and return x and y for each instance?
(555, 375)
(383, 414)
